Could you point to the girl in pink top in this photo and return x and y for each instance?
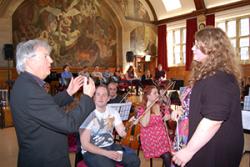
(154, 137)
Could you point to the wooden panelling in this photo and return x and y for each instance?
(200, 5)
(5, 75)
(181, 73)
(178, 73)
(173, 72)
(6, 117)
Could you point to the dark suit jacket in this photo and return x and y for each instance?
(117, 99)
(41, 123)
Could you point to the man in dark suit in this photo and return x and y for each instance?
(40, 121)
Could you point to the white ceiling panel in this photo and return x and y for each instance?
(214, 3)
(188, 6)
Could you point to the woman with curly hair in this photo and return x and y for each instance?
(215, 125)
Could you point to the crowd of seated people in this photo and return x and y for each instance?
(127, 81)
(106, 74)
(97, 75)
(84, 71)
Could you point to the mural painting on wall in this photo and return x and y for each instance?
(134, 9)
(143, 41)
(78, 30)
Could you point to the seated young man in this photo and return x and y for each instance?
(97, 142)
(113, 96)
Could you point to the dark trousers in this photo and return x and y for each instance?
(129, 158)
(136, 83)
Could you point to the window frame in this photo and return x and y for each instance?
(238, 36)
(181, 45)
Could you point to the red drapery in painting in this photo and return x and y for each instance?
(210, 20)
(191, 25)
(162, 46)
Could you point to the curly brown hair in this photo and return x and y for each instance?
(221, 55)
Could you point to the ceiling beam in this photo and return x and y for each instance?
(205, 12)
(3, 6)
(199, 4)
(139, 20)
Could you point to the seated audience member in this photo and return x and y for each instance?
(106, 76)
(117, 76)
(160, 74)
(146, 78)
(114, 97)
(130, 74)
(131, 78)
(120, 78)
(98, 147)
(97, 75)
(84, 71)
(66, 75)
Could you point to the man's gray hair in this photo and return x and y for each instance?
(27, 50)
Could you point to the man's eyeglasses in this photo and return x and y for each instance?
(197, 46)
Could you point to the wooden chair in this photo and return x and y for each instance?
(138, 152)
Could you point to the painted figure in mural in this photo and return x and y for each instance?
(76, 29)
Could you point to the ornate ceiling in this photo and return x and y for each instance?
(159, 13)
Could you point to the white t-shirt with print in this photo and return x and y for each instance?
(101, 126)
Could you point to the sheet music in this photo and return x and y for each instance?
(122, 108)
(246, 119)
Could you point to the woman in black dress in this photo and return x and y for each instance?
(215, 129)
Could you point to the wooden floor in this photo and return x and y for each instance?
(9, 148)
(9, 151)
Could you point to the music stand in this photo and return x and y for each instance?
(122, 108)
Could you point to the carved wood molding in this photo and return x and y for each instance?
(200, 5)
(152, 9)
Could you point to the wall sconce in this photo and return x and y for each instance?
(147, 58)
